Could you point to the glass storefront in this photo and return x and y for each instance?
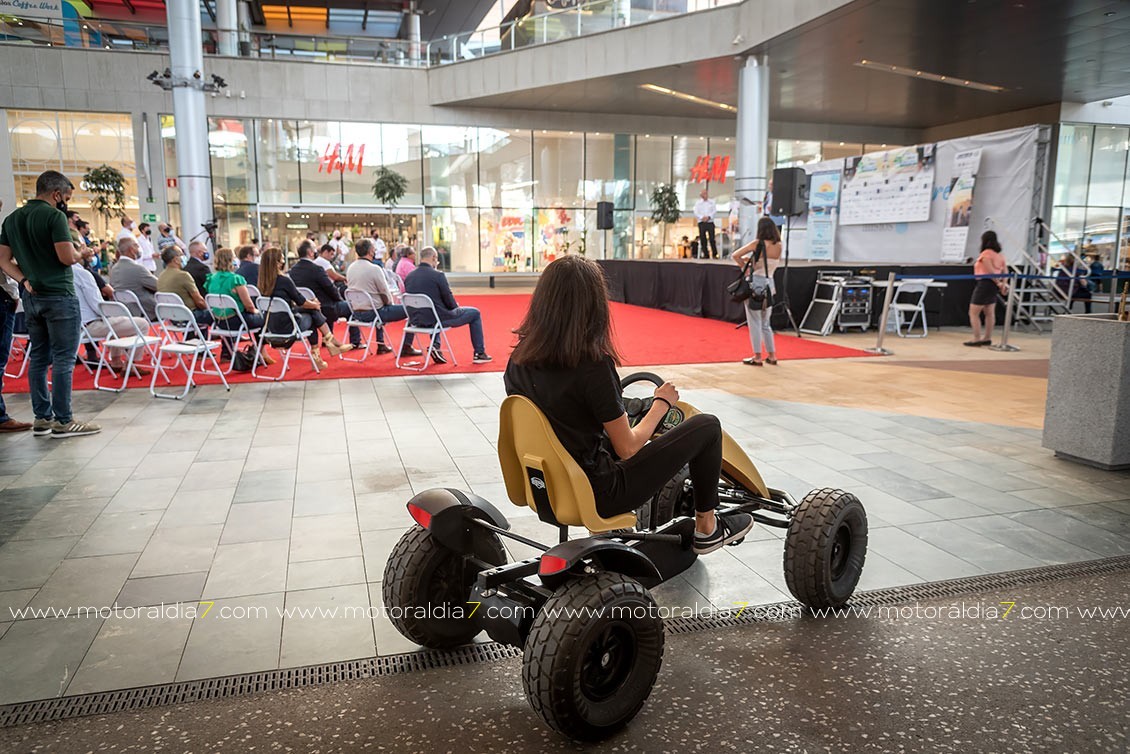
(1091, 196)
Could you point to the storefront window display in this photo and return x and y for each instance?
(454, 232)
(504, 237)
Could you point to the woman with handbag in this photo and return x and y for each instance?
(766, 255)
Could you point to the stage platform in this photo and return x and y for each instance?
(698, 286)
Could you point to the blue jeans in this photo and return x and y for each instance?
(388, 313)
(53, 331)
(468, 315)
(7, 323)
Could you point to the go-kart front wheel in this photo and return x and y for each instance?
(426, 587)
(593, 655)
(825, 547)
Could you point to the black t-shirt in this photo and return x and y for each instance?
(577, 403)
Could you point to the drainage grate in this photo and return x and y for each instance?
(227, 687)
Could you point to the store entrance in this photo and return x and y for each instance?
(286, 228)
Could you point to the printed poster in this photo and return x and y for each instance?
(959, 206)
(46, 9)
(888, 187)
(823, 206)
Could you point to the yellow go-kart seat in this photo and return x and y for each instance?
(540, 473)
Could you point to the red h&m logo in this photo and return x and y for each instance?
(332, 160)
(704, 170)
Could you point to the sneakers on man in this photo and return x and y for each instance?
(11, 425)
(730, 528)
(74, 429)
(437, 357)
(42, 427)
(382, 349)
(481, 358)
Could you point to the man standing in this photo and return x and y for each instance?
(36, 251)
(427, 279)
(379, 248)
(367, 275)
(148, 256)
(704, 210)
(340, 247)
(126, 229)
(128, 275)
(198, 255)
(9, 293)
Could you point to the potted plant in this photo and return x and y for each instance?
(665, 210)
(107, 186)
(389, 187)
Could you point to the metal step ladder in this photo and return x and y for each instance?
(1037, 301)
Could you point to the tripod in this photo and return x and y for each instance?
(785, 279)
(209, 229)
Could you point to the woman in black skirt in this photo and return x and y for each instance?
(984, 301)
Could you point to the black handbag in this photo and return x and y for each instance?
(739, 290)
(761, 292)
(243, 359)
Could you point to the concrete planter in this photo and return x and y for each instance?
(1087, 418)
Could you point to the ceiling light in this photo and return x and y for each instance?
(936, 77)
(688, 97)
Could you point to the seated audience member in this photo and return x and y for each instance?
(127, 274)
(307, 273)
(406, 262)
(427, 279)
(274, 284)
(86, 290)
(198, 254)
(324, 259)
(225, 281)
(1071, 278)
(175, 280)
(366, 274)
(248, 263)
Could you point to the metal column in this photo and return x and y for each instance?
(194, 176)
(750, 181)
(227, 25)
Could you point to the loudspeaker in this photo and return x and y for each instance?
(790, 191)
(604, 215)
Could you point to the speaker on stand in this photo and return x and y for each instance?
(604, 221)
(790, 198)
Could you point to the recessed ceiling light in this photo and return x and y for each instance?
(937, 77)
(1109, 13)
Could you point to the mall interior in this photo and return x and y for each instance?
(389, 551)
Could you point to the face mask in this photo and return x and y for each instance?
(61, 205)
(130, 226)
(148, 232)
(183, 261)
(207, 256)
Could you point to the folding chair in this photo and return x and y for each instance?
(253, 291)
(914, 306)
(138, 341)
(308, 294)
(362, 301)
(85, 338)
(437, 332)
(167, 298)
(220, 301)
(395, 285)
(133, 303)
(176, 320)
(269, 306)
(22, 345)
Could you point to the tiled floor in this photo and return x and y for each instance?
(290, 496)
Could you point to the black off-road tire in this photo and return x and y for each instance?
(673, 499)
(423, 576)
(592, 655)
(825, 547)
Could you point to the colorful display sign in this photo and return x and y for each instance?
(888, 187)
(823, 209)
(707, 168)
(959, 206)
(331, 159)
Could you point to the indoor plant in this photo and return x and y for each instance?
(107, 187)
(390, 186)
(665, 209)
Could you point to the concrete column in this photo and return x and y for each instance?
(244, 35)
(194, 175)
(227, 26)
(750, 179)
(414, 46)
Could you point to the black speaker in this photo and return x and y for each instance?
(790, 191)
(604, 215)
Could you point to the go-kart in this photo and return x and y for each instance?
(591, 633)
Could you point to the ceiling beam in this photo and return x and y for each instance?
(365, 18)
(257, 13)
(208, 7)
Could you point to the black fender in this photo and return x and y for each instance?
(561, 561)
(447, 513)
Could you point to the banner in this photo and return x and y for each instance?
(959, 207)
(47, 9)
(888, 187)
(823, 207)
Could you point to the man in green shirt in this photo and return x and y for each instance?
(36, 251)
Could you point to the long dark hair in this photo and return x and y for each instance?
(989, 241)
(269, 264)
(767, 230)
(569, 320)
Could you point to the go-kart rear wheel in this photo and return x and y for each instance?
(426, 587)
(673, 500)
(825, 547)
(593, 655)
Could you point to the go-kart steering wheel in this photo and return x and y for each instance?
(637, 408)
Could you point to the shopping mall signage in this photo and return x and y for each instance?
(32, 8)
(335, 158)
(707, 168)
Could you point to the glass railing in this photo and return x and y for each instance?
(581, 20)
(568, 23)
(124, 35)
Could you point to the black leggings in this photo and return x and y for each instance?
(697, 441)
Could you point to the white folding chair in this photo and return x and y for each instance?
(133, 303)
(395, 285)
(132, 344)
(307, 293)
(253, 291)
(86, 338)
(220, 302)
(437, 332)
(361, 301)
(167, 298)
(909, 303)
(176, 320)
(21, 345)
(269, 306)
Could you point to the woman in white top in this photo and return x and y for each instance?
(766, 251)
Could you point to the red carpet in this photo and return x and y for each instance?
(645, 337)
